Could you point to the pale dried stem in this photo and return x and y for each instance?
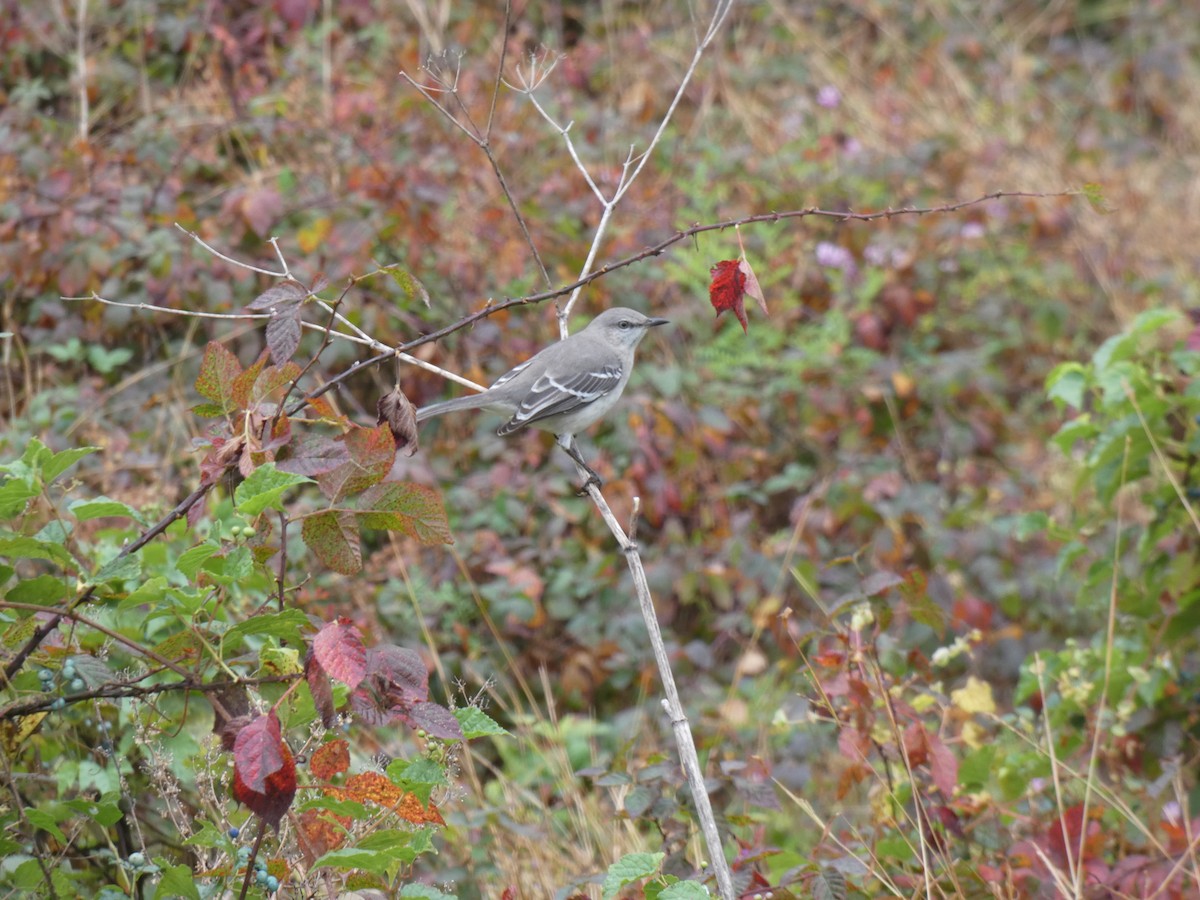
(1060, 803)
(688, 758)
(81, 67)
(360, 338)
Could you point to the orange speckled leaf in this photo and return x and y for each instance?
(330, 759)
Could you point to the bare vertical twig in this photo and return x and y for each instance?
(81, 67)
(327, 60)
(633, 165)
(1110, 638)
(481, 138)
(688, 758)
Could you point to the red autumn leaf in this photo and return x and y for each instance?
(260, 207)
(219, 370)
(372, 452)
(258, 751)
(1070, 828)
(319, 687)
(414, 509)
(264, 771)
(280, 296)
(333, 537)
(396, 680)
(943, 765)
(314, 454)
(727, 290)
(322, 831)
(432, 718)
(338, 647)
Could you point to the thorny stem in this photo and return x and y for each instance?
(120, 690)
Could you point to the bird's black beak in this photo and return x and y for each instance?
(652, 322)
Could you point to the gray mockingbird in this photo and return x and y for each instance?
(567, 386)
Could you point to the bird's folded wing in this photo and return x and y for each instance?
(552, 395)
(511, 373)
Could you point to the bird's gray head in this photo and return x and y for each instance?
(623, 327)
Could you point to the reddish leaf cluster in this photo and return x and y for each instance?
(396, 688)
(351, 465)
(323, 830)
(387, 683)
(337, 651)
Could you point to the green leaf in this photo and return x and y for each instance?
(425, 892)
(207, 836)
(408, 284)
(414, 509)
(1067, 384)
(28, 876)
(333, 537)
(1114, 348)
(44, 590)
(119, 568)
(419, 776)
(263, 490)
(351, 808)
(1112, 381)
(1029, 525)
(63, 460)
(193, 559)
(29, 548)
(149, 593)
(39, 818)
(352, 858)
(208, 410)
(630, 868)
(30, 464)
(100, 507)
(1153, 319)
(895, 846)
(284, 625)
(1081, 428)
(1094, 194)
(684, 890)
(15, 495)
(476, 723)
(176, 881)
(976, 768)
(391, 840)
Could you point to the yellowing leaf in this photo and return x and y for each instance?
(975, 735)
(974, 697)
(313, 235)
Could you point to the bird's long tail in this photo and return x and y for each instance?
(470, 401)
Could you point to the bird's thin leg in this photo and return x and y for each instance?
(567, 442)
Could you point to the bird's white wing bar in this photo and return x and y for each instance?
(512, 373)
(551, 396)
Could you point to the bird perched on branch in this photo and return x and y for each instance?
(567, 386)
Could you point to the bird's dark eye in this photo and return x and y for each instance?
(624, 323)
